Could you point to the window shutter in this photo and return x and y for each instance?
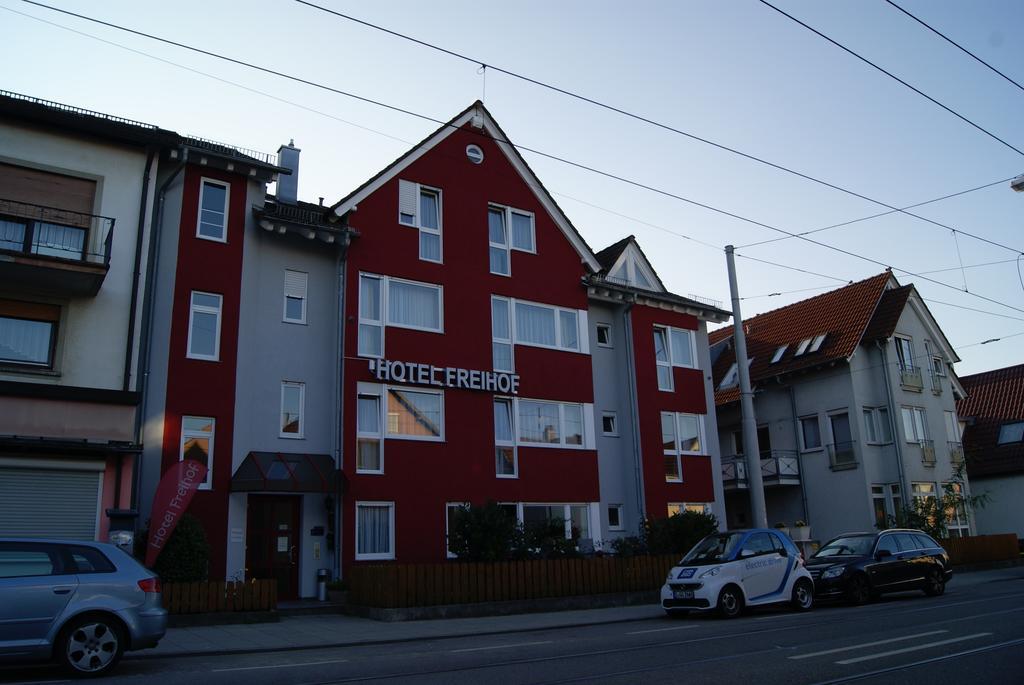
(295, 284)
(407, 200)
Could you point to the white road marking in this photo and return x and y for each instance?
(775, 616)
(866, 644)
(519, 644)
(258, 668)
(661, 630)
(911, 649)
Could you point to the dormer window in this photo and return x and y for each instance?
(816, 343)
(802, 347)
(632, 269)
(732, 376)
(420, 207)
(778, 353)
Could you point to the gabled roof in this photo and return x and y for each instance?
(842, 316)
(993, 398)
(624, 262)
(887, 315)
(477, 116)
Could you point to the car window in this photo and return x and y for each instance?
(854, 545)
(17, 561)
(887, 542)
(907, 542)
(924, 541)
(90, 560)
(759, 543)
(777, 544)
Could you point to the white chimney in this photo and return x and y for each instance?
(288, 184)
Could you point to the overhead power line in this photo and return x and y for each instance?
(665, 127)
(952, 42)
(893, 77)
(546, 155)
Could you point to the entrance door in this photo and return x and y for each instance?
(272, 541)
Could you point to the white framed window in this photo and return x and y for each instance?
(952, 426)
(779, 351)
(877, 429)
(501, 334)
(662, 360)
(506, 458)
(295, 283)
(451, 510)
(904, 352)
(575, 517)
(957, 524)
(604, 335)
(810, 433)
(674, 508)
(415, 414)
(212, 222)
(204, 326)
(369, 431)
(474, 154)
(680, 434)
(915, 425)
(375, 530)
(672, 347)
(732, 377)
(197, 444)
(922, 491)
(609, 424)
(293, 399)
(545, 326)
(396, 302)
(419, 206)
(616, 520)
(508, 229)
(553, 424)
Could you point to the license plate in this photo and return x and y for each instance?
(682, 594)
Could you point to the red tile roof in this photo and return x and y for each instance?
(887, 315)
(993, 398)
(842, 315)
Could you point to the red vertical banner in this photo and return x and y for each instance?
(178, 485)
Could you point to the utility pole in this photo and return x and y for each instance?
(752, 452)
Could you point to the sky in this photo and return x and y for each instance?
(736, 73)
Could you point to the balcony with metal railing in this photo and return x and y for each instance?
(911, 378)
(927, 452)
(936, 381)
(778, 467)
(842, 455)
(956, 452)
(53, 250)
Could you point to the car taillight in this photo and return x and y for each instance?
(150, 585)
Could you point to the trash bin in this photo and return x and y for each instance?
(322, 575)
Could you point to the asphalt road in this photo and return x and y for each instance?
(973, 633)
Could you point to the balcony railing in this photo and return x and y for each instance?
(778, 467)
(936, 383)
(842, 455)
(734, 472)
(910, 378)
(927, 452)
(956, 451)
(43, 231)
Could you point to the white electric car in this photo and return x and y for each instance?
(732, 570)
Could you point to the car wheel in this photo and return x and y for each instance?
(933, 584)
(730, 602)
(803, 595)
(91, 646)
(858, 591)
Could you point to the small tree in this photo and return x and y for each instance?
(679, 532)
(546, 540)
(482, 533)
(186, 556)
(934, 514)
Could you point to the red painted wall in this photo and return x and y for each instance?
(206, 388)
(687, 397)
(420, 477)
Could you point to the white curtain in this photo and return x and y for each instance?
(668, 431)
(410, 304)
(573, 424)
(522, 232)
(535, 324)
(502, 356)
(689, 433)
(570, 330)
(430, 246)
(496, 226)
(428, 210)
(12, 235)
(25, 341)
(374, 534)
(682, 352)
(499, 319)
(369, 298)
(368, 414)
(502, 421)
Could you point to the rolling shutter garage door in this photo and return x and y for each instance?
(49, 503)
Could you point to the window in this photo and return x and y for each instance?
(213, 211)
(877, 429)
(501, 334)
(295, 296)
(369, 436)
(915, 427)
(922, 491)
(89, 560)
(420, 207)
(375, 530)
(904, 353)
(550, 423)
(732, 377)
(816, 343)
(680, 507)
(506, 464)
(802, 347)
(415, 414)
(952, 426)
(204, 326)
(575, 517)
(474, 154)
(615, 518)
(781, 350)
(508, 229)
(20, 560)
(842, 439)
(604, 334)
(672, 347)
(292, 401)
(451, 515)
(956, 515)
(680, 434)
(1011, 432)
(28, 333)
(546, 326)
(197, 444)
(662, 360)
(810, 431)
(609, 424)
(408, 304)
(879, 505)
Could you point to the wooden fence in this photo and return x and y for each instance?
(213, 596)
(395, 586)
(981, 548)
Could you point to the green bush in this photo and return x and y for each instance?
(629, 546)
(546, 541)
(482, 533)
(186, 556)
(679, 532)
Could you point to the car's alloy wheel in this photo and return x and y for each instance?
(803, 595)
(933, 584)
(858, 592)
(730, 602)
(91, 646)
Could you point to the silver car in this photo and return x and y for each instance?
(82, 604)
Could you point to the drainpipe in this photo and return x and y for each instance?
(904, 493)
(339, 396)
(152, 265)
(799, 453)
(143, 206)
(638, 476)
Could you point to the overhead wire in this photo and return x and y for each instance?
(563, 160)
(661, 125)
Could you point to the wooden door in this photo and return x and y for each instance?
(272, 541)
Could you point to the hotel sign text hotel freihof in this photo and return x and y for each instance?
(444, 376)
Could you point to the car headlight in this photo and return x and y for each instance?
(711, 572)
(671, 575)
(834, 572)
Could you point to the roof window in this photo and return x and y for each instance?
(802, 347)
(778, 353)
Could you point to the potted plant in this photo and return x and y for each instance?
(337, 592)
(801, 531)
(782, 528)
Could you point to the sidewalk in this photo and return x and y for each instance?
(336, 630)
